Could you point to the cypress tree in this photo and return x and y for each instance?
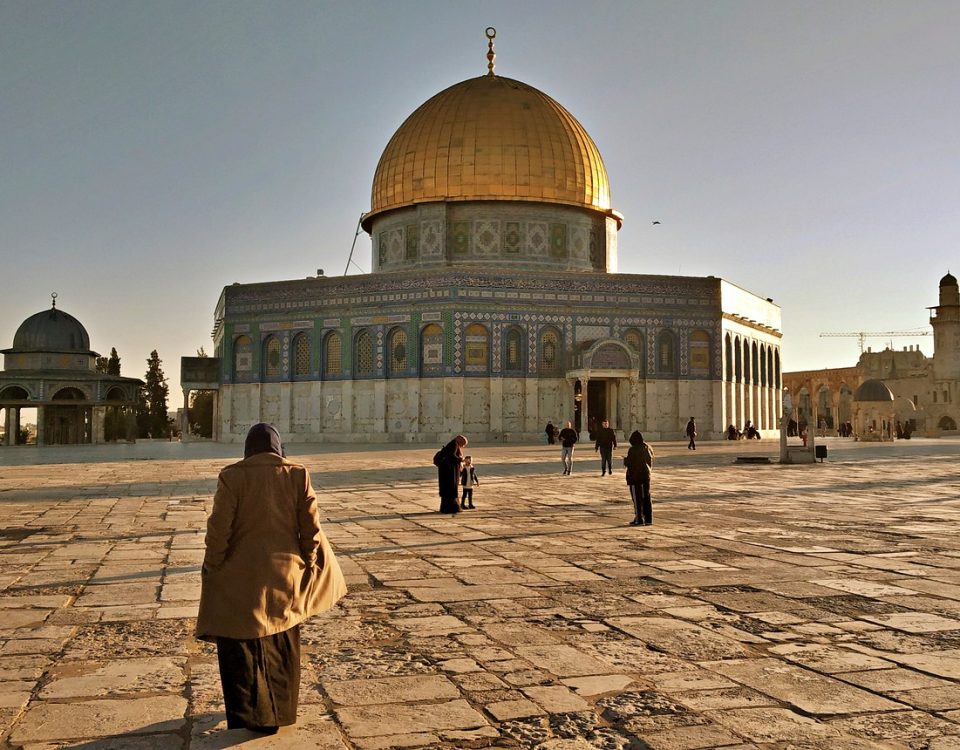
(152, 418)
(113, 364)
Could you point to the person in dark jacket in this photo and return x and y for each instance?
(639, 463)
(568, 438)
(606, 442)
(551, 433)
(448, 461)
(692, 434)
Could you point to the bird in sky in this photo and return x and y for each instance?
(656, 222)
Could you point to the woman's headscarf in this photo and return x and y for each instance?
(636, 438)
(262, 438)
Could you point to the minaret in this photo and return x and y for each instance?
(945, 319)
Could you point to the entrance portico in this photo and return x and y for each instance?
(604, 383)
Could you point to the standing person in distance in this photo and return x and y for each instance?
(606, 442)
(551, 433)
(267, 568)
(639, 463)
(692, 434)
(468, 480)
(449, 460)
(568, 438)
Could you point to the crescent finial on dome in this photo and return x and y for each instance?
(491, 34)
(53, 299)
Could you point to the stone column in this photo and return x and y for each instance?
(215, 431)
(613, 386)
(185, 418)
(225, 400)
(98, 416)
(9, 437)
(585, 405)
(41, 416)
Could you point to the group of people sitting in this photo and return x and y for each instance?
(749, 432)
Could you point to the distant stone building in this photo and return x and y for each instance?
(52, 369)
(494, 305)
(925, 389)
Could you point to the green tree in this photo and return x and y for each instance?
(152, 419)
(109, 365)
(113, 364)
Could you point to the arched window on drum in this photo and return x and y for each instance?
(550, 352)
(513, 351)
(301, 355)
(271, 358)
(431, 349)
(666, 353)
(397, 353)
(242, 358)
(364, 364)
(476, 348)
(700, 353)
(728, 358)
(332, 356)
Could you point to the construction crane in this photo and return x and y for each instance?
(861, 335)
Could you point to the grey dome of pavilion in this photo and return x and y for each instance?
(873, 390)
(51, 330)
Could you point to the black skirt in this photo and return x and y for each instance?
(260, 679)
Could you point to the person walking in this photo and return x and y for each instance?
(692, 434)
(639, 464)
(606, 442)
(267, 567)
(568, 438)
(551, 432)
(468, 480)
(448, 461)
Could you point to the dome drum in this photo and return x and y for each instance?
(512, 234)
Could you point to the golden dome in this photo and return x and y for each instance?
(490, 138)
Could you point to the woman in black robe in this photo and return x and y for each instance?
(449, 461)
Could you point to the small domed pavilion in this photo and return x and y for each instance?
(873, 411)
(52, 369)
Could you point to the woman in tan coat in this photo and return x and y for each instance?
(267, 567)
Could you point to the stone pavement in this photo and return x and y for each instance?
(767, 607)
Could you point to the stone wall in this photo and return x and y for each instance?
(431, 409)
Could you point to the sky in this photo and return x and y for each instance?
(152, 153)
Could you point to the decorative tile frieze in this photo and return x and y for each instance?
(486, 237)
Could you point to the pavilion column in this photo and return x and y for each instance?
(585, 405)
(41, 418)
(185, 417)
(613, 410)
(9, 437)
(634, 416)
(98, 424)
(215, 433)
